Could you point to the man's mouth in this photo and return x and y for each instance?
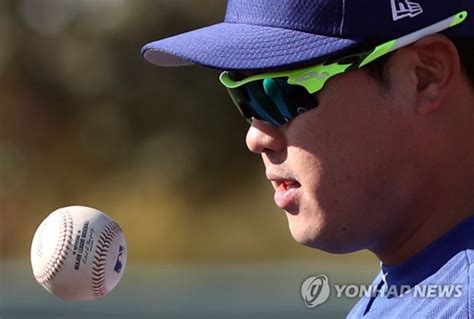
(286, 192)
(290, 184)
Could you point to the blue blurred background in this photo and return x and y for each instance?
(84, 120)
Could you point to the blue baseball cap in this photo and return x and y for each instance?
(266, 34)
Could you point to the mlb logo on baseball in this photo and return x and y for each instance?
(119, 264)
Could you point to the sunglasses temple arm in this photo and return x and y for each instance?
(393, 45)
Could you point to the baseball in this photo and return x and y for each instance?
(78, 253)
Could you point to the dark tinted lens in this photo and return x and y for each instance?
(253, 102)
(272, 100)
(296, 98)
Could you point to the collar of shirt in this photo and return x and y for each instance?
(429, 260)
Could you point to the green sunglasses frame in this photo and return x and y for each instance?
(313, 78)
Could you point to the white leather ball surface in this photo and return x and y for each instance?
(78, 253)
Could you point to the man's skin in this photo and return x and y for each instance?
(388, 169)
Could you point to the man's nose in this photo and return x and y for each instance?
(263, 137)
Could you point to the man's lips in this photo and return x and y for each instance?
(286, 191)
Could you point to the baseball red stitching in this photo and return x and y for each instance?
(98, 265)
(56, 260)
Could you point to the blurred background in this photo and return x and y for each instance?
(85, 120)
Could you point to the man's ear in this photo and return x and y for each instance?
(436, 65)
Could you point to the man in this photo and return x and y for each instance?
(363, 113)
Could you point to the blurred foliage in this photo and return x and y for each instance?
(85, 120)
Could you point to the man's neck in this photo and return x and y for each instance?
(432, 222)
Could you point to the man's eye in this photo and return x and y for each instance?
(301, 110)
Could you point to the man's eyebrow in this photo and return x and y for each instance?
(242, 74)
(239, 75)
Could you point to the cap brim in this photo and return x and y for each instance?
(231, 46)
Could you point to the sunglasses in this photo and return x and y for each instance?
(278, 97)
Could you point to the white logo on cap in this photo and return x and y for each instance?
(405, 9)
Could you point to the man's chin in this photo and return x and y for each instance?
(328, 244)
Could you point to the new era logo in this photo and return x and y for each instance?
(404, 9)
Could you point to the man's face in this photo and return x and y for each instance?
(342, 171)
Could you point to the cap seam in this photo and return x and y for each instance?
(296, 26)
(341, 26)
(219, 53)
